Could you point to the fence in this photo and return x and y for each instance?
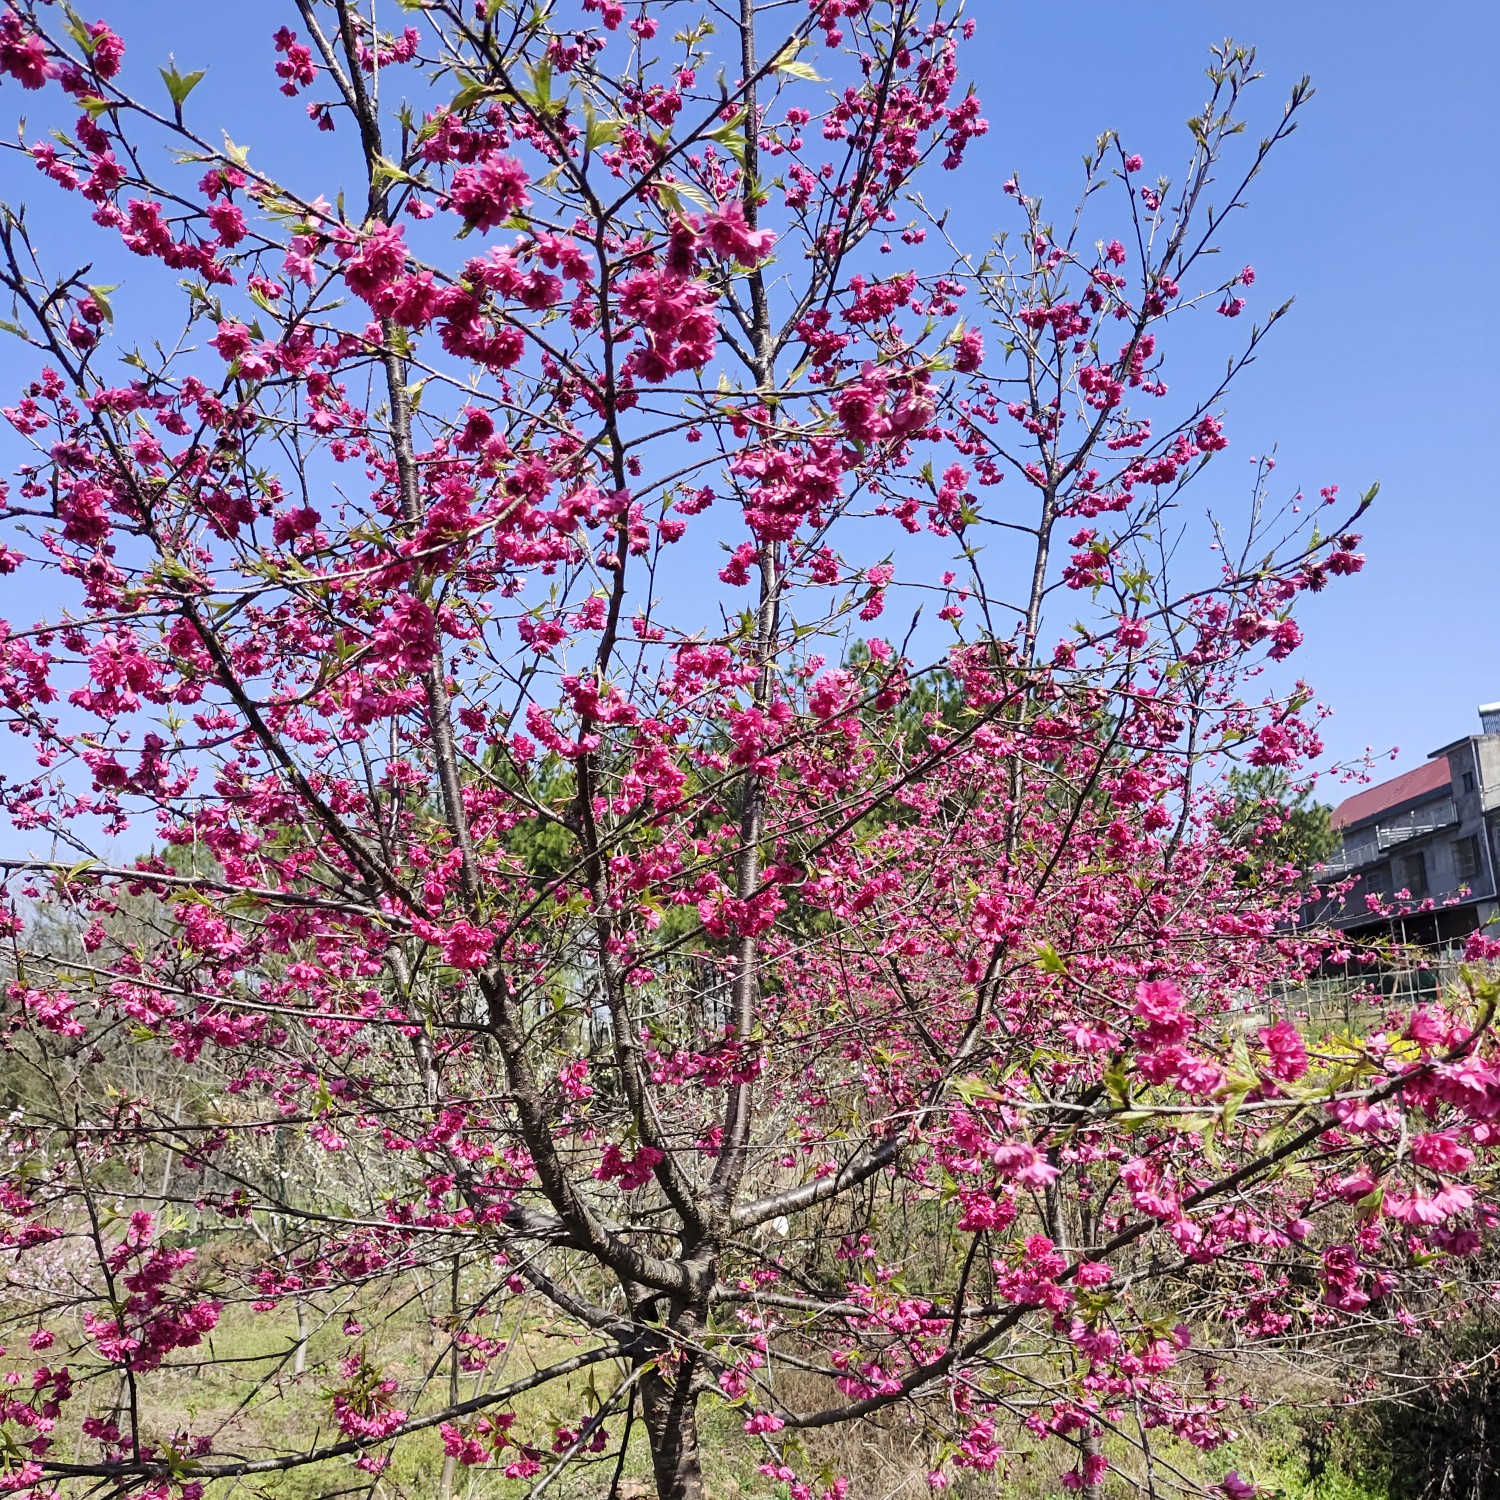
(1356, 1002)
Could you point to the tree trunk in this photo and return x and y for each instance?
(669, 1407)
(1093, 1446)
(450, 1462)
(299, 1354)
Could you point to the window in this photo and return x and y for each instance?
(1466, 857)
(1411, 874)
(1468, 780)
(1376, 882)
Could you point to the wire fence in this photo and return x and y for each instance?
(1360, 1002)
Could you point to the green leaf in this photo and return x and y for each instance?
(471, 92)
(731, 136)
(1117, 1082)
(597, 132)
(100, 294)
(970, 1088)
(78, 31)
(387, 171)
(1238, 1088)
(787, 63)
(1049, 960)
(180, 85)
(797, 69)
(694, 195)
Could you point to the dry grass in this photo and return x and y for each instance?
(244, 1390)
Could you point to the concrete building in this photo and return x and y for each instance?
(1426, 842)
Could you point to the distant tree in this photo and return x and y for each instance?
(1270, 815)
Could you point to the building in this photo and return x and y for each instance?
(1426, 843)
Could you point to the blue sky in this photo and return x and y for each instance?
(1380, 216)
(1377, 215)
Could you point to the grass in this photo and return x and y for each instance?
(241, 1388)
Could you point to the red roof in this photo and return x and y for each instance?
(1432, 777)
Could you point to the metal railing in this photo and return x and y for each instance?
(1357, 1003)
(1411, 825)
(1350, 857)
(1372, 843)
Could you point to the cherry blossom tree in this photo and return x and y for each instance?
(670, 718)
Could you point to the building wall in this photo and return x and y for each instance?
(1480, 809)
(1488, 751)
(1474, 771)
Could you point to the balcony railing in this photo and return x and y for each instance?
(1420, 820)
(1373, 842)
(1350, 857)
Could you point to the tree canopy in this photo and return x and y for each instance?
(628, 747)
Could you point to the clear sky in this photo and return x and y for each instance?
(1380, 216)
